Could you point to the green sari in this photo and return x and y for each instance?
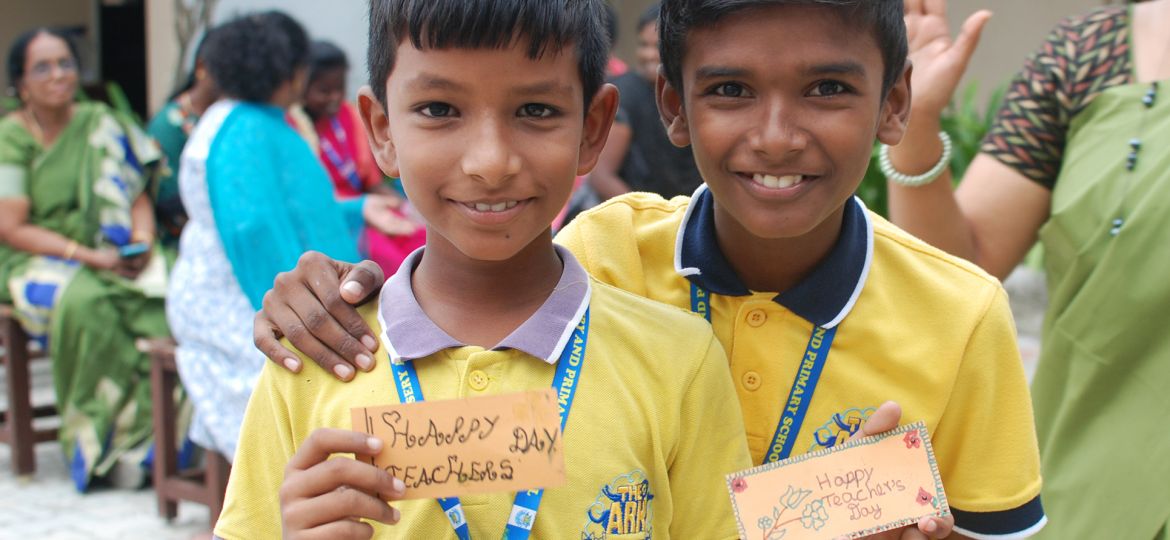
(83, 187)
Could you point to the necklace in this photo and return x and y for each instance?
(1149, 99)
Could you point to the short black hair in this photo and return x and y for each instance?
(18, 52)
(884, 18)
(325, 56)
(650, 16)
(548, 25)
(251, 56)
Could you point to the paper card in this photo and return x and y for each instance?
(509, 442)
(851, 490)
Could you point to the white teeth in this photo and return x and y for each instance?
(777, 182)
(498, 207)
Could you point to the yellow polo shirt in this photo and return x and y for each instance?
(652, 431)
(913, 325)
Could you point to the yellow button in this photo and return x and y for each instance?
(756, 318)
(752, 381)
(478, 380)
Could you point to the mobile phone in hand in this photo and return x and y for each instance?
(133, 250)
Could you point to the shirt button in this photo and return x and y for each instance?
(752, 381)
(756, 318)
(478, 380)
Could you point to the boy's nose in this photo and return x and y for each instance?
(779, 133)
(489, 156)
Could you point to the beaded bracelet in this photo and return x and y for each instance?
(927, 177)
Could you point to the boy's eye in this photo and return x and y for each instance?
(829, 88)
(730, 90)
(436, 110)
(536, 110)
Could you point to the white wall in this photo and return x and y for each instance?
(344, 22)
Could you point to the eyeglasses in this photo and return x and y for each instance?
(43, 69)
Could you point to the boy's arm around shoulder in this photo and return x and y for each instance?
(985, 441)
(283, 478)
(711, 444)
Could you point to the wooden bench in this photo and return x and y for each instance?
(205, 485)
(16, 422)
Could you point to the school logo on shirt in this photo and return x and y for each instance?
(839, 428)
(622, 508)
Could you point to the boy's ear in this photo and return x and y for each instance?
(598, 120)
(670, 108)
(378, 131)
(896, 110)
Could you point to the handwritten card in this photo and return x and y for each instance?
(509, 442)
(851, 490)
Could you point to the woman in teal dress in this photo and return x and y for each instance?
(74, 182)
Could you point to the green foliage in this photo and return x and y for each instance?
(9, 104)
(120, 103)
(965, 123)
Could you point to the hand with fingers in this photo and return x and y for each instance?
(939, 60)
(381, 212)
(326, 498)
(885, 418)
(313, 306)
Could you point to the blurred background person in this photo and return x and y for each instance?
(170, 128)
(257, 199)
(333, 129)
(615, 66)
(76, 256)
(638, 155)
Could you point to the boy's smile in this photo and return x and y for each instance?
(781, 107)
(488, 141)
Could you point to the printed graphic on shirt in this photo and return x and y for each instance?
(623, 507)
(839, 428)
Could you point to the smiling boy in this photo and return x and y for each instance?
(825, 309)
(488, 109)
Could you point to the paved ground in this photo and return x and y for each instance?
(45, 506)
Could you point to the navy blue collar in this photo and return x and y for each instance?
(823, 298)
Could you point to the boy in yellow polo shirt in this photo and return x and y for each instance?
(489, 117)
(825, 309)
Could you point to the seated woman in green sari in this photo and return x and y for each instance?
(76, 230)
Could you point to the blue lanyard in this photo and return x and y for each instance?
(526, 504)
(795, 408)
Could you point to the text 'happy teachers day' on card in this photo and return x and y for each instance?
(851, 490)
(509, 442)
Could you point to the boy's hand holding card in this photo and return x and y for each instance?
(509, 442)
(859, 488)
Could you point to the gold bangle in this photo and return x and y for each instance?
(71, 249)
(143, 237)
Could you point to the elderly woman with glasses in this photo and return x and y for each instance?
(76, 255)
